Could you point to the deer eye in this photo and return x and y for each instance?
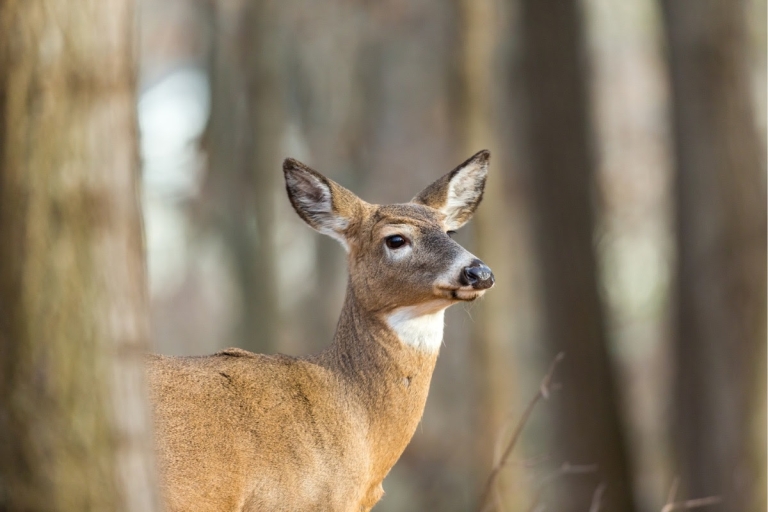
(395, 241)
(450, 233)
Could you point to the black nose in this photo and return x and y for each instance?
(477, 275)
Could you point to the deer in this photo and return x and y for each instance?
(239, 431)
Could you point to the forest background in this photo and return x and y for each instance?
(624, 218)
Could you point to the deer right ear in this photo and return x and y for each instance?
(458, 193)
(322, 203)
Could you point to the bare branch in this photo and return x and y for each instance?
(498, 445)
(686, 504)
(538, 459)
(672, 495)
(597, 497)
(566, 468)
(544, 391)
(695, 503)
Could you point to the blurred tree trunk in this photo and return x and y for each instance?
(721, 273)
(74, 423)
(557, 141)
(493, 323)
(332, 98)
(244, 146)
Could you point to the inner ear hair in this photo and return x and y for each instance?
(458, 193)
(322, 203)
(309, 192)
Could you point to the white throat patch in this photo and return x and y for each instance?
(418, 328)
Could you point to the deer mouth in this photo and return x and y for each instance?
(464, 294)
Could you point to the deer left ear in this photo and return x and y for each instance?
(458, 193)
(322, 203)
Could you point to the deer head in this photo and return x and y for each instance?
(403, 263)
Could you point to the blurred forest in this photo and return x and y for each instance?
(624, 219)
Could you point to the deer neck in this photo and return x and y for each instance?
(387, 360)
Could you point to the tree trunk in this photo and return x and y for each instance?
(244, 146)
(557, 142)
(721, 273)
(74, 423)
(494, 322)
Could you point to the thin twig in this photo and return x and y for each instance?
(544, 391)
(534, 461)
(672, 495)
(566, 468)
(597, 497)
(686, 504)
(498, 446)
(695, 503)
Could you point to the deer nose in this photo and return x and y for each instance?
(477, 275)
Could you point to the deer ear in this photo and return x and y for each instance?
(323, 204)
(458, 193)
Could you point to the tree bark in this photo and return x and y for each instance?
(557, 132)
(721, 240)
(74, 423)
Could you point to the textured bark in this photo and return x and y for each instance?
(74, 429)
(721, 273)
(244, 146)
(557, 133)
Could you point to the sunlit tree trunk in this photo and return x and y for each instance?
(721, 265)
(244, 146)
(74, 424)
(493, 325)
(557, 142)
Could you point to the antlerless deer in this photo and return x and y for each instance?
(238, 431)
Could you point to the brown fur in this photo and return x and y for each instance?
(238, 431)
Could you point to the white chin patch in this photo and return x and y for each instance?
(421, 326)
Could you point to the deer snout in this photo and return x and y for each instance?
(477, 275)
